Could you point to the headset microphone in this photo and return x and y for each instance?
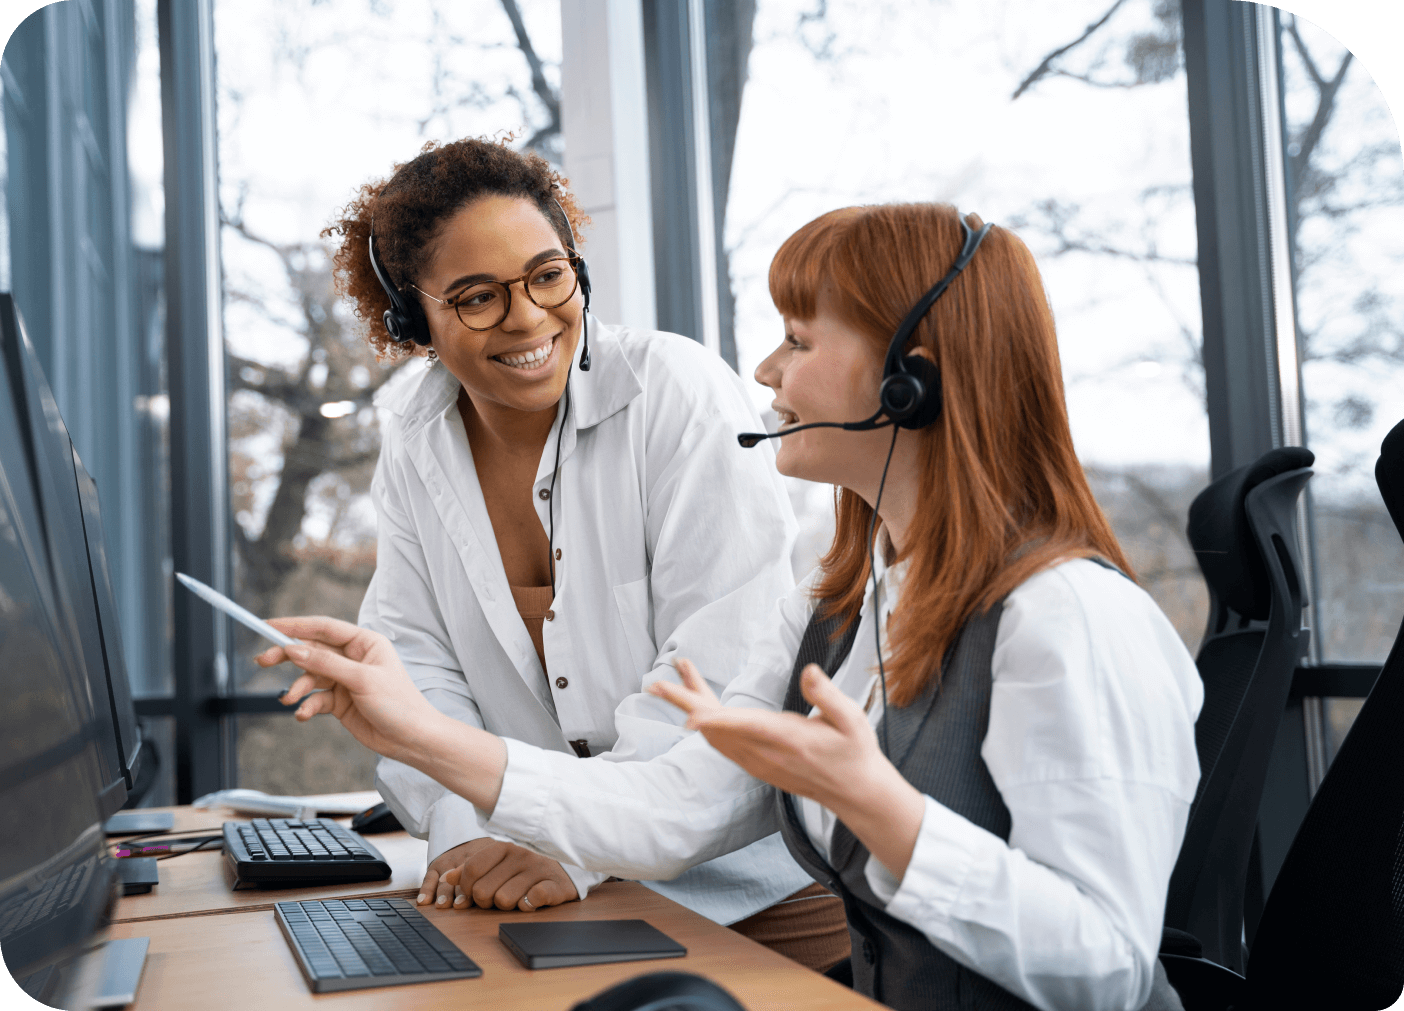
(749, 439)
(582, 273)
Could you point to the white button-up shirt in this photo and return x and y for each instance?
(1090, 744)
(673, 541)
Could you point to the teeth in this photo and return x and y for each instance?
(786, 418)
(530, 359)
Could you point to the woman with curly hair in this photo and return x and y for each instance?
(556, 524)
(971, 724)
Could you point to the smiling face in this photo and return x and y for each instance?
(523, 362)
(825, 370)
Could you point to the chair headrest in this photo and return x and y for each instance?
(1389, 475)
(1223, 541)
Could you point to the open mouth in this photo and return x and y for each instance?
(529, 361)
(786, 417)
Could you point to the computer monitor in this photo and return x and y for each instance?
(61, 536)
(56, 882)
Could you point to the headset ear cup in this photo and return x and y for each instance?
(395, 325)
(912, 397)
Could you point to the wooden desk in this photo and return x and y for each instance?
(241, 960)
(200, 883)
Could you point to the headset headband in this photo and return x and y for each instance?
(914, 316)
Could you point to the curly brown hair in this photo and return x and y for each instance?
(412, 205)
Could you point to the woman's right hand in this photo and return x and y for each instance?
(355, 675)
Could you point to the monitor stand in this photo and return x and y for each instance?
(108, 975)
(100, 978)
(139, 822)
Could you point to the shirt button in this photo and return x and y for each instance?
(550, 616)
(558, 554)
(561, 682)
(869, 955)
(544, 494)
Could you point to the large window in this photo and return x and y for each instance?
(1065, 122)
(1079, 144)
(314, 100)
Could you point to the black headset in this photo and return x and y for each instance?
(405, 319)
(910, 394)
(910, 397)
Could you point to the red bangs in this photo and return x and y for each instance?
(803, 266)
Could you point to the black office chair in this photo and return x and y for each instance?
(662, 991)
(1332, 932)
(1243, 529)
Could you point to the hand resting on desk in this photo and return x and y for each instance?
(490, 874)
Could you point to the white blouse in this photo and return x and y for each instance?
(1090, 744)
(670, 540)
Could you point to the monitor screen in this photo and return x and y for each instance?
(60, 529)
(55, 878)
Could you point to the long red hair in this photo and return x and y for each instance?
(1002, 492)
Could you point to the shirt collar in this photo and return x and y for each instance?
(889, 577)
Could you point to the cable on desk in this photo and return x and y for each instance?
(160, 846)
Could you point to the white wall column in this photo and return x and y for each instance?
(605, 121)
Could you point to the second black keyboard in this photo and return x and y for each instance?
(283, 852)
(354, 943)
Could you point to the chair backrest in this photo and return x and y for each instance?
(1243, 529)
(1332, 931)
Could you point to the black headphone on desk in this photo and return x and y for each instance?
(910, 394)
(405, 319)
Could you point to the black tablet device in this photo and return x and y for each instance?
(551, 945)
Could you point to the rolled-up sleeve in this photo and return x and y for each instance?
(1091, 746)
(653, 820)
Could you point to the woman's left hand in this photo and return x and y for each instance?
(822, 757)
(831, 757)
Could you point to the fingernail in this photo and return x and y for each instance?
(421, 898)
(443, 901)
(297, 652)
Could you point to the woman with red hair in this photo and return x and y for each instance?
(970, 723)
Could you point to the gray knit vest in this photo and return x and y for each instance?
(935, 743)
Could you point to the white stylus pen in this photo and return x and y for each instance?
(245, 618)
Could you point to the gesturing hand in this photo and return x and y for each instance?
(507, 876)
(831, 757)
(361, 680)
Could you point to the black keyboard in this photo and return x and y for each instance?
(350, 944)
(283, 852)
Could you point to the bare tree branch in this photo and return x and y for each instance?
(1310, 137)
(1046, 65)
(548, 96)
